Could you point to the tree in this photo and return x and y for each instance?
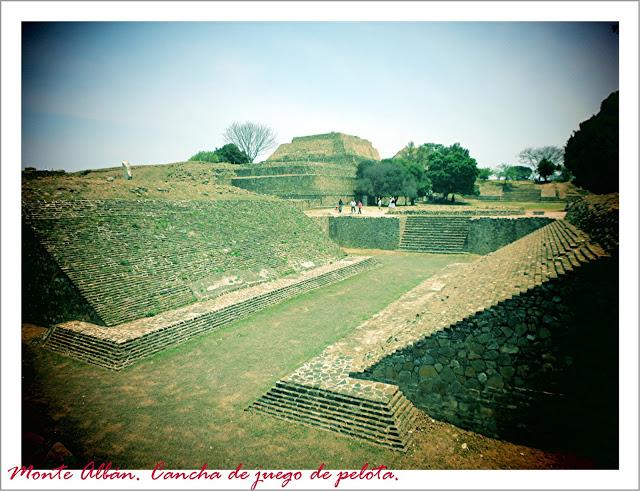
(545, 169)
(419, 173)
(592, 154)
(227, 153)
(484, 173)
(452, 170)
(533, 156)
(514, 172)
(252, 138)
(386, 178)
(232, 154)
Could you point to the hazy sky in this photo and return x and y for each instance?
(97, 93)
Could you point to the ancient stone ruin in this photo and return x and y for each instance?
(505, 346)
(513, 345)
(314, 170)
(118, 280)
(329, 147)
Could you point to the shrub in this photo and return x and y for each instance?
(205, 156)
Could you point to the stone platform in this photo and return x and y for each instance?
(325, 393)
(119, 346)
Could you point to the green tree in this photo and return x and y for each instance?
(545, 169)
(484, 173)
(515, 172)
(227, 153)
(532, 157)
(592, 153)
(451, 170)
(232, 154)
(419, 173)
(387, 178)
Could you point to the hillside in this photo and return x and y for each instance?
(176, 181)
(107, 250)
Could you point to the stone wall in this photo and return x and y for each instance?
(322, 223)
(48, 295)
(598, 216)
(489, 234)
(365, 232)
(458, 210)
(301, 186)
(485, 234)
(540, 368)
(133, 259)
(120, 346)
(292, 168)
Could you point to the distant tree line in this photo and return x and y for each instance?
(590, 158)
(418, 172)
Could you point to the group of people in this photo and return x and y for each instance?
(352, 204)
(392, 203)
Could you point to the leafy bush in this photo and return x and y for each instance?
(205, 156)
(227, 153)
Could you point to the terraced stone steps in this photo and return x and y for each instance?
(383, 424)
(132, 259)
(439, 233)
(328, 391)
(122, 345)
(521, 194)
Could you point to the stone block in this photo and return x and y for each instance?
(509, 349)
(507, 372)
(495, 381)
(428, 371)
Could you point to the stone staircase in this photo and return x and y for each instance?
(526, 193)
(134, 259)
(384, 423)
(437, 234)
(120, 346)
(340, 390)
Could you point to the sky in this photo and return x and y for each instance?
(97, 93)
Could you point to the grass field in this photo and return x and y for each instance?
(186, 405)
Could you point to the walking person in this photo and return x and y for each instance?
(380, 204)
(340, 205)
(353, 205)
(359, 207)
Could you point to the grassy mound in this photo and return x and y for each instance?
(178, 181)
(172, 235)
